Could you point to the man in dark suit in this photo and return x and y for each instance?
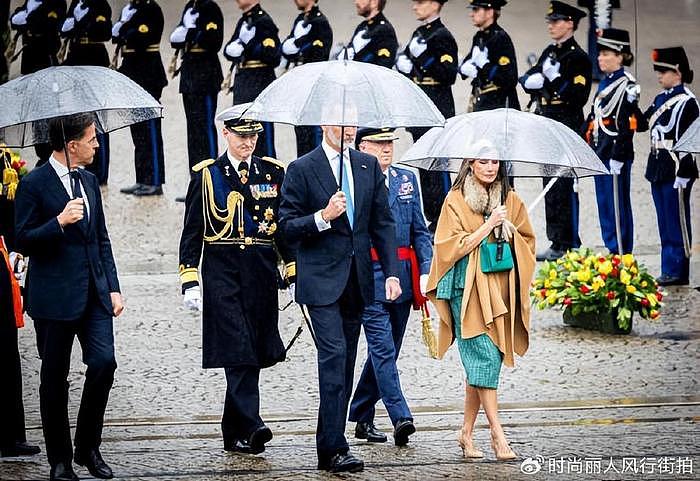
(335, 212)
(72, 290)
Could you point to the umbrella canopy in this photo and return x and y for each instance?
(690, 140)
(534, 146)
(28, 102)
(345, 93)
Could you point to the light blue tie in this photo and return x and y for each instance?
(346, 189)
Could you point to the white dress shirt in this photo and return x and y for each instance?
(62, 172)
(235, 162)
(333, 157)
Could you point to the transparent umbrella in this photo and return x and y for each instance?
(690, 140)
(28, 102)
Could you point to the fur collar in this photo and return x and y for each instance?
(478, 199)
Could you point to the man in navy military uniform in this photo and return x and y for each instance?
(671, 175)
(430, 60)
(231, 225)
(137, 35)
(385, 321)
(491, 61)
(374, 39)
(198, 38)
(561, 83)
(254, 50)
(309, 41)
(39, 23)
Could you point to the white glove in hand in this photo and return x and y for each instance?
(234, 49)
(179, 34)
(19, 18)
(361, 40)
(417, 46)
(301, 30)
(423, 282)
(68, 24)
(680, 183)
(127, 12)
(292, 290)
(193, 299)
(33, 5)
(534, 81)
(468, 69)
(189, 19)
(480, 57)
(633, 92)
(18, 265)
(116, 28)
(247, 33)
(616, 167)
(508, 229)
(80, 11)
(404, 64)
(341, 54)
(551, 69)
(289, 47)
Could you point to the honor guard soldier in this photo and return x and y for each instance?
(254, 49)
(198, 39)
(88, 25)
(491, 62)
(374, 40)
(611, 127)
(560, 83)
(38, 23)
(430, 60)
(137, 35)
(309, 41)
(385, 321)
(672, 175)
(231, 218)
(600, 17)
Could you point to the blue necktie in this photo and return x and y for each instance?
(346, 189)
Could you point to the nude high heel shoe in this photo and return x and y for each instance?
(468, 449)
(502, 450)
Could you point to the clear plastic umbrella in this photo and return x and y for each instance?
(690, 140)
(28, 102)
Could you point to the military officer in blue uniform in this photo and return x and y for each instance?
(374, 39)
(231, 218)
(384, 321)
(38, 23)
(671, 175)
(254, 50)
(309, 41)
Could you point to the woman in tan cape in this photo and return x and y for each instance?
(487, 313)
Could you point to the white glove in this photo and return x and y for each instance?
(404, 64)
(235, 49)
(292, 290)
(300, 30)
(633, 93)
(127, 12)
(179, 34)
(468, 69)
(116, 28)
(289, 47)
(423, 282)
(680, 183)
(80, 11)
(534, 81)
(417, 46)
(551, 69)
(480, 57)
(246, 33)
(33, 5)
(508, 229)
(19, 18)
(18, 265)
(189, 19)
(341, 54)
(360, 40)
(193, 299)
(616, 167)
(68, 24)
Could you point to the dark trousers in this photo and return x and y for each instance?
(242, 405)
(100, 163)
(384, 324)
(201, 131)
(149, 161)
(561, 209)
(337, 328)
(11, 406)
(308, 138)
(55, 343)
(606, 209)
(673, 260)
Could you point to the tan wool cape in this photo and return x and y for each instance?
(496, 304)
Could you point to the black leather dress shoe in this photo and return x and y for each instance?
(63, 472)
(145, 190)
(131, 189)
(238, 446)
(403, 429)
(258, 438)
(342, 463)
(93, 461)
(666, 280)
(551, 254)
(369, 432)
(19, 449)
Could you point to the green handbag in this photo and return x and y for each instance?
(496, 256)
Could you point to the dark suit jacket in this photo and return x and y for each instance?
(62, 261)
(324, 258)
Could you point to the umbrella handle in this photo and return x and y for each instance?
(541, 195)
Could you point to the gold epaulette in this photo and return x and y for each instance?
(278, 163)
(200, 165)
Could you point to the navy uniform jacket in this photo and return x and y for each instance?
(405, 204)
(40, 34)
(315, 46)
(495, 83)
(382, 46)
(668, 127)
(564, 98)
(239, 260)
(200, 72)
(62, 260)
(139, 41)
(88, 36)
(324, 258)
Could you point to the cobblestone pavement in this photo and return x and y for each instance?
(575, 393)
